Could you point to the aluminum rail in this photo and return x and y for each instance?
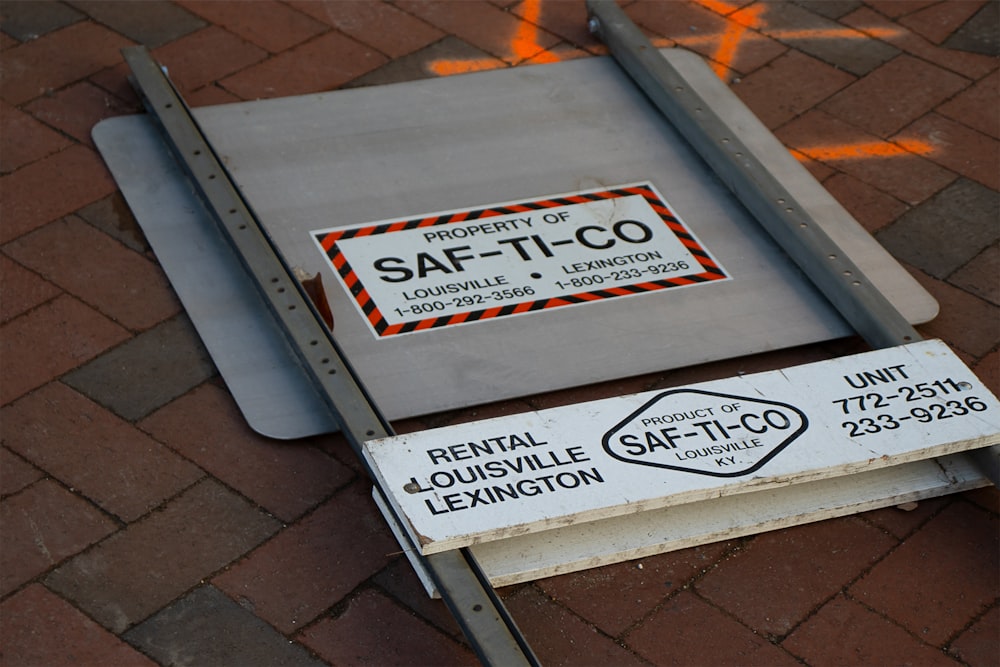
(853, 295)
(777, 209)
(463, 586)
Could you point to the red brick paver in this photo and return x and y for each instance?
(805, 79)
(271, 25)
(49, 341)
(30, 201)
(689, 631)
(351, 639)
(978, 645)
(287, 480)
(58, 59)
(15, 473)
(296, 576)
(968, 574)
(558, 637)
(390, 30)
(792, 569)
(957, 147)
(911, 87)
(973, 106)
(41, 526)
(142, 522)
(326, 62)
(847, 633)
(971, 65)
(911, 180)
(937, 21)
(23, 289)
(76, 109)
(87, 447)
(95, 268)
(23, 139)
(206, 56)
(143, 567)
(40, 628)
(617, 596)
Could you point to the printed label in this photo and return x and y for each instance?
(458, 267)
(705, 432)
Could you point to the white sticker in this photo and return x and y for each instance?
(479, 481)
(456, 267)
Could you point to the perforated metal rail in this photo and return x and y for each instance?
(486, 623)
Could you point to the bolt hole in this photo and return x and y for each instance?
(331, 372)
(232, 211)
(369, 432)
(211, 177)
(274, 280)
(197, 152)
(242, 227)
(477, 607)
(168, 105)
(281, 290)
(314, 342)
(324, 361)
(291, 307)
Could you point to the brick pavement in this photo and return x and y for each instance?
(144, 523)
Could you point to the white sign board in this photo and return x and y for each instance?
(481, 481)
(456, 267)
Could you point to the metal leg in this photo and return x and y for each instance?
(778, 210)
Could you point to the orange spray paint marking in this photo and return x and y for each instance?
(869, 149)
(525, 42)
(730, 40)
(740, 26)
(449, 67)
(836, 33)
(830, 33)
(523, 45)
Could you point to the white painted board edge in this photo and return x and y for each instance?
(588, 545)
(636, 536)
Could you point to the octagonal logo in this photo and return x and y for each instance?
(705, 432)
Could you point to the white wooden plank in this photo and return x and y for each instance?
(587, 545)
(489, 480)
(582, 546)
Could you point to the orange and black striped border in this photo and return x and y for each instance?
(328, 240)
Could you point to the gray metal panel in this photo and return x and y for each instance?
(368, 154)
(218, 294)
